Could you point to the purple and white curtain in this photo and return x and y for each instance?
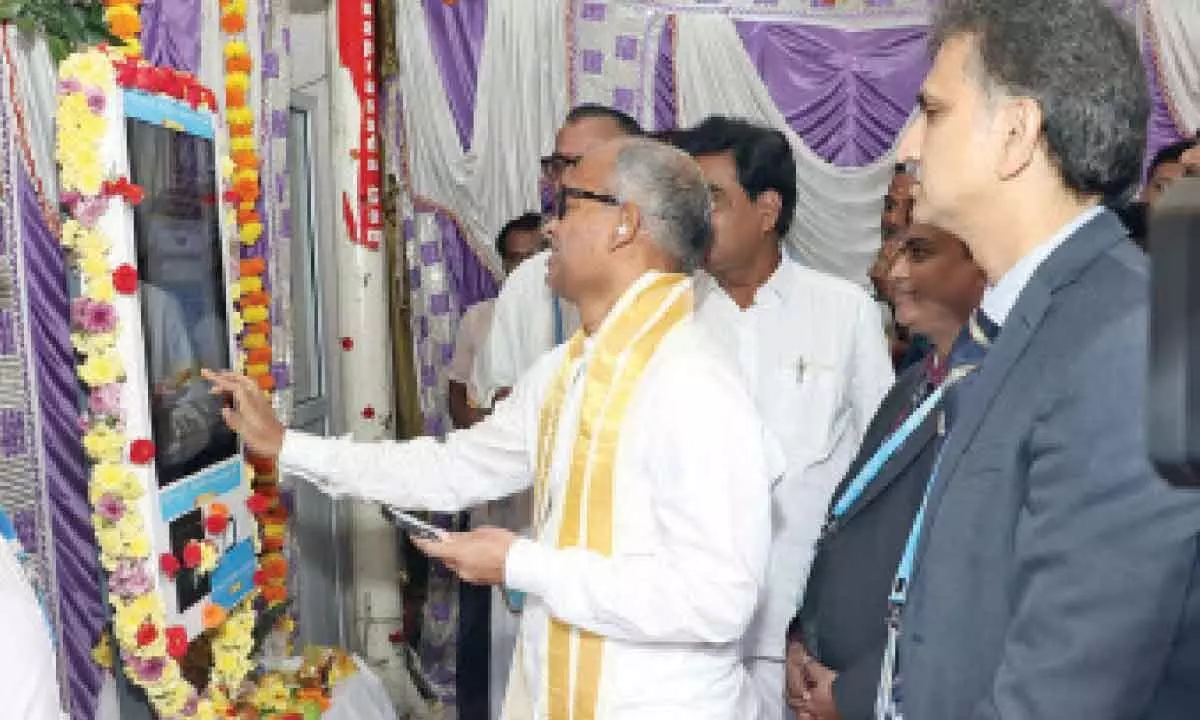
(485, 85)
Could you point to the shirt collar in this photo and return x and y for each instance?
(773, 291)
(999, 299)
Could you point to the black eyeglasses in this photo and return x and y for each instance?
(556, 164)
(560, 199)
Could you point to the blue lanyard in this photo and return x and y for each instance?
(904, 571)
(870, 470)
(558, 322)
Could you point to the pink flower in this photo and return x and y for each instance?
(130, 579)
(106, 400)
(96, 101)
(70, 85)
(99, 317)
(88, 210)
(79, 309)
(110, 507)
(146, 669)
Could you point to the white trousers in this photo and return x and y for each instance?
(767, 685)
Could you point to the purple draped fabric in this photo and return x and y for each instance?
(171, 33)
(1161, 130)
(468, 279)
(846, 93)
(456, 34)
(81, 606)
(665, 115)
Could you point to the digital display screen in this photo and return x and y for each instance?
(183, 294)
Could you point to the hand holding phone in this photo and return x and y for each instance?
(413, 525)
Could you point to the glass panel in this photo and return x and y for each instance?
(308, 370)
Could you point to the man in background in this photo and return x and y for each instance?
(529, 316)
(519, 240)
(1169, 164)
(810, 348)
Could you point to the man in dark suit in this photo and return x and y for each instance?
(1055, 575)
(836, 641)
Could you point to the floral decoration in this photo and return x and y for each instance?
(148, 647)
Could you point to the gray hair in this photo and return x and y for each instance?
(674, 199)
(1081, 63)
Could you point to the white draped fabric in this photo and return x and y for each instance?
(522, 99)
(836, 228)
(1175, 29)
(37, 92)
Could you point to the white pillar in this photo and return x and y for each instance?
(362, 309)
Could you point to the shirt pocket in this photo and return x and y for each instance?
(808, 412)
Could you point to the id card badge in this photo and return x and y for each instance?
(887, 697)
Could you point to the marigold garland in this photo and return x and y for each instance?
(253, 320)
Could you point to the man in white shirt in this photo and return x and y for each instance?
(651, 499)
(810, 347)
(529, 317)
(519, 240)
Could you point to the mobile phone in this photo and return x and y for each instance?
(413, 525)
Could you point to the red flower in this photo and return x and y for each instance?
(347, 344)
(177, 641)
(191, 554)
(125, 279)
(368, 413)
(146, 634)
(169, 565)
(141, 451)
(216, 524)
(260, 578)
(127, 73)
(258, 503)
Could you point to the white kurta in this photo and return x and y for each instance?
(470, 339)
(28, 681)
(522, 328)
(813, 354)
(691, 523)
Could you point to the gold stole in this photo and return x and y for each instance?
(622, 350)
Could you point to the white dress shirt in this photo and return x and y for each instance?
(813, 353)
(522, 328)
(691, 522)
(28, 680)
(999, 299)
(472, 335)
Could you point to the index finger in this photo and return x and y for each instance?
(438, 549)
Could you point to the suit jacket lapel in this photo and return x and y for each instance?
(896, 402)
(1060, 269)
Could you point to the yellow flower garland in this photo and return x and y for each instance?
(139, 623)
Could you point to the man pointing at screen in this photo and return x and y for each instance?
(651, 501)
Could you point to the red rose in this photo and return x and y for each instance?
(216, 524)
(347, 344)
(177, 641)
(146, 634)
(134, 194)
(127, 73)
(258, 503)
(191, 555)
(260, 578)
(169, 565)
(125, 279)
(368, 413)
(141, 451)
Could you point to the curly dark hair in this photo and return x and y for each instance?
(1081, 63)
